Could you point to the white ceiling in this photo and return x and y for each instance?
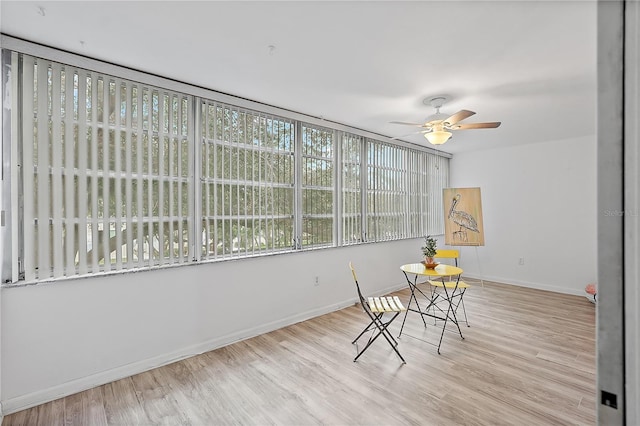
(529, 64)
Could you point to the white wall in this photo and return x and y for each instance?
(632, 216)
(64, 337)
(538, 202)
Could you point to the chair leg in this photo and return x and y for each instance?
(382, 330)
(367, 328)
(383, 326)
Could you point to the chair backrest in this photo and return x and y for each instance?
(447, 254)
(355, 278)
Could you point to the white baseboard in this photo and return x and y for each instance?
(539, 286)
(22, 402)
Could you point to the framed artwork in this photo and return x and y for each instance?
(463, 217)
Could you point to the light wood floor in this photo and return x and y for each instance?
(528, 358)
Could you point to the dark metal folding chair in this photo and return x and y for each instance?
(376, 308)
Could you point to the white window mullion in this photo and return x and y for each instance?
(140, 175)
(172, 141)
(223, 162)
(81, 199)
(15, 142)
(433, 183)
(364, 188)
(149, 178)
(394, 227)
(250, 138)
(28, 168)
(338, 218)
(206, 181)
(233, 136)
(179, 141)
(69, 172)
(218, 183)
(57, 246)
(43, 173)
(95, 240)
(118, 152)
(422, 189)
(192, 124)
(259, 154)
(128, 174)
(403, 204)
(378, 191)
(216, 174)
(106, 203)
(232, 179)
(374, 201)
(161, 178)
(298, 208)
(401, 193)
(424, 186)
(248, 244)
(275, 178)
(392, 174)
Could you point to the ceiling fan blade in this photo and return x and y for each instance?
(458, 116)
(409, 134)
(490, 125)
(407, 124)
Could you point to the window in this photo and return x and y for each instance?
(317, 186)
(247, 182)
(352, 146)
(110, 174)
(105, 172)
(387, 191)
(428, 174)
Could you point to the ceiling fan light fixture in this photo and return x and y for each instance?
(437, 137)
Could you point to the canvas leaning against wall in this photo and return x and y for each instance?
(463, 217)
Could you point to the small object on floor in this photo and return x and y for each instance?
(591, 291)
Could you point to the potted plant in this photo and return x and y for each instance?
(429, 249)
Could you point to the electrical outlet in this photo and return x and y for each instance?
(521, 261)
(316, 281)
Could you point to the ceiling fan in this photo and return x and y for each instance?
(436, 128)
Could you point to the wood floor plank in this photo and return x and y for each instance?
(157, 400)
(51, 414)
(528, 357)
(121, 404)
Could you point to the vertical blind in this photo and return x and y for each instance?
(106, 176)
(113, 174)
(317, 186)
(387, 191)
(247, 182)
(352, 146)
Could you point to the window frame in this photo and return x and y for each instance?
(14, 253)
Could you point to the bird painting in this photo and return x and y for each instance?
(463, 219)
